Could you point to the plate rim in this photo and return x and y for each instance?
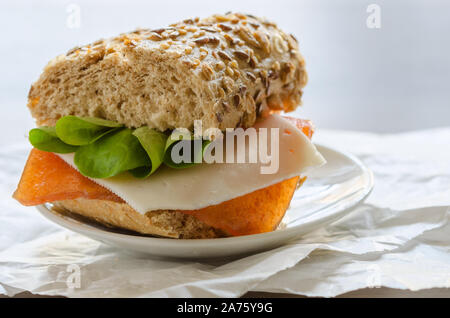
(277, 234)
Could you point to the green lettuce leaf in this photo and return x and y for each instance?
(112, 154)
(105, 148)
(81, 131)
(154, 143)
(45, 139)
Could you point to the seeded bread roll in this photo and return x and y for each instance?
(225, 70)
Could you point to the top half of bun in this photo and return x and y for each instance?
(224, 70)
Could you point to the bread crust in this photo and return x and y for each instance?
(224, 70)
(160, 223)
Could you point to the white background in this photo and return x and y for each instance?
(392, 79)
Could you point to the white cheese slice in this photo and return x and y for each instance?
(209, 184)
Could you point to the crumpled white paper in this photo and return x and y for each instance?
(398, 238)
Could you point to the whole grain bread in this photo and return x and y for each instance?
(224, 70)
(163, 223)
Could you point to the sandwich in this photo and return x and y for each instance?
(133, 131)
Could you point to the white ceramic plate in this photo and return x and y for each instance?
(328, 194)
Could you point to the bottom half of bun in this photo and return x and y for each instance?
(164, 223)
(257, 212)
